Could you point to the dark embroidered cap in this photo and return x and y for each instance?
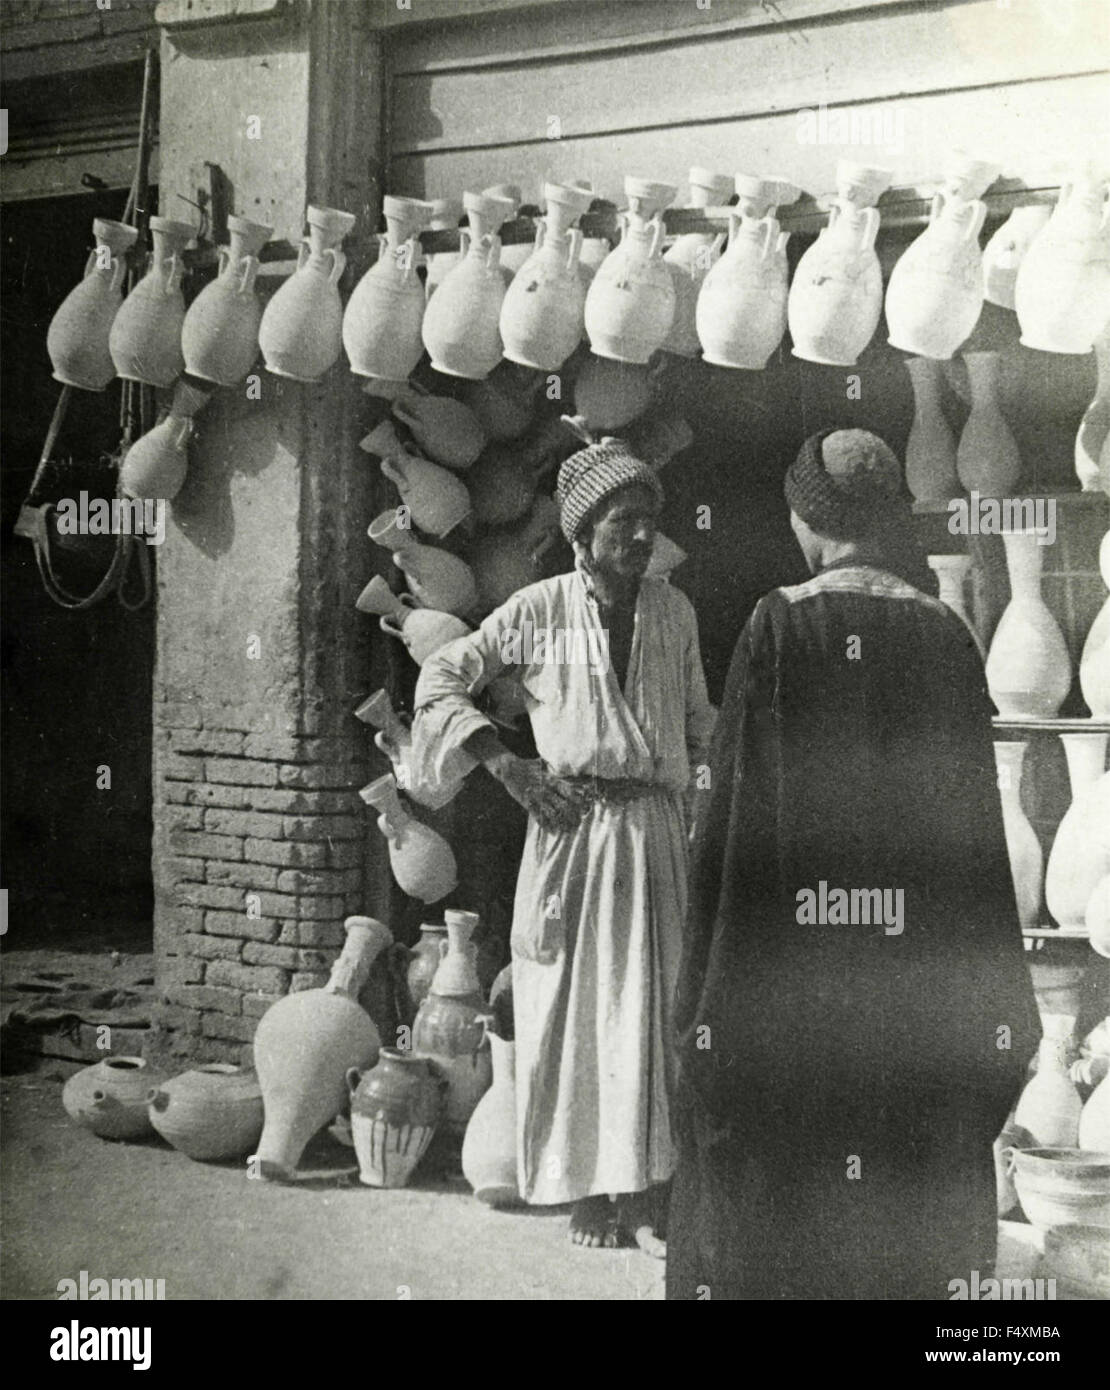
(845, 484)
(591, 475)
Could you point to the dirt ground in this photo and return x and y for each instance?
(73, 1202)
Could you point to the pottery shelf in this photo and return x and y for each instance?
(1089, 725)
(1035, 934)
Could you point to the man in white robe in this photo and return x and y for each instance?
(613, 683)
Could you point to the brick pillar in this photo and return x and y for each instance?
(261, 845)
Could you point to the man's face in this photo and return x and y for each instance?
(624, 533)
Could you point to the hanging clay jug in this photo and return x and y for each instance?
(1094, 1120)
(1006, 249)
(489, 1148)
(690, 260)
(630, 304)
(451, 1023)
(952, 572)
(436, 578)
(110, 1098)
(436, 499)
(1080, 854)
(381, 324)
(460, 327)
(836, 296)
(421, 860)
(1097, 917)
(512, 256)
(741, 311)
(303, 1047)
(509, 561)
(610, 395)
(446, 430)
(1094, 664)
(394, 739)
(931, 447)
(424, 961)
(145, 341)
(935, 292)
(1022, 845)
(1094, 428)
(219, 336)
(1028, 667)
(422, 630)
(301, 334)
(77, 339)
(156, 464)
(395, 1109)
(1062, 295)
(987, 457)
(542, 317)
(665, 557)
(210, 1113)
(1050, 1107)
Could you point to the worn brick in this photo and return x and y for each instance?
(205, 846)
(287, 854)
(317, 775)
(239, 925)
(259, 953)
(260, 824)
(179, 868)
(295, 748)
(207, 996)
(205, 794)
(221, 1026)
(211, 947)
(176, 918)
(201, 1050)
(242, 772)
(308, 979)
(247, 876)
(176, 715)
(212, 895)
(180, 970)
(255, 1005)
(167, 1016)
(185, 818)
(322, 907)
(177, 768)
(295, 802)
(301, 933)
(324, 827)
(332, 881)
(206, 741)
(267, 979)
(347, 854)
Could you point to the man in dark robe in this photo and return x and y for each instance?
(854, 1013)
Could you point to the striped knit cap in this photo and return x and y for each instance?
(846, 484)
(591, 475)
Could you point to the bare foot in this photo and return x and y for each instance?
(636, 1217)
(593, 1223)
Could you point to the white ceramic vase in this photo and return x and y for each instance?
(987, 457)
(383, 318)
(931, 474)
(77, 339)
(1080, 854)
(689, 260)
(301, 334)
(1062, 295)
(219, 337)
(1094, 428)
(394, 739)
(145, 341)
(1097, 917)
(952, 572)
(461, 322)
(1094, 664)
(1022, 845)
(630, 304)
(1028, 667)
(155, 465)
(436, 578)
(445, 216)
(543, 314)
(1049, 1106)
(421, 860)
(1005, 251)
(437, 500)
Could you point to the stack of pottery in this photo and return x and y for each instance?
(489, 1147)
(437, 501)
(630, 304)
(301, 334)
(508, 561)
(420, 859)
(381, 325)
(394, 1113)
(935, 292)
(1049, 1106)
(836, 296)
(78, 336)
(451, 1022)
(210, 1113)
(422, 630)
(1080, 854)
(145, 341)
(741, 311)
(436, 578)
(542, 317)
(931, 474)
(690, 260)
(460, 328)
(1094, 664)
(1005, 251)
(1022, 845)
(445, 215)
(952, 572)
(110, 1098)
(304, 1046)
(394, 739)
(1028, 668)
(219, 337)
(1092, 441)
(987, 457)
(1062, 295)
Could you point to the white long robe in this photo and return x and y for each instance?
(598, 915)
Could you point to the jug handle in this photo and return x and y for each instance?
(770, 229)
(975, 226)
(935, 207)
(176, 275)
(410, 258)
(493, 254)
(248, 269)
(574, 245)
(464, 241)
(353, 1076)
(393, 473)
(541, 234)
(734, 220)
(303, 253)
(870, 229)
(386, 623)
(658, 232)
(119, 272)
(181, 436)
(157, 1098)
(338, 265)
(403, 412)
(780, 245)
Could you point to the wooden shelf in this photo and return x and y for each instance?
(1033, 934)
(1051, 726)
(1070, 498)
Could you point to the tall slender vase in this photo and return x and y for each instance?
(1094, 428)
(1080, 853)
(77, 339)
(931, 474)
(489, 1148)
(1026, 859)
(689, 261)
(1028, 667)
(1094, 664)
(219, 337)
(952, 572)
(421, 860)
(1049, 1107)
(987, 457)
(145, 341)
(1062, 295)
(301, 334)
(381, 324)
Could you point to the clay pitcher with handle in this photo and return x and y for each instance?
(394, 739)
(436, 578)
(77, 339)
(156, 464)
(448, 431)
(301, 334)
(220, 334)
(395, 1109)
(145, 341)
(489, 1146)
(436, 499)
(381, 324)
(420, 859)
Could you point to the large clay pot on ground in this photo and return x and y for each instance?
(1028, 667)
(301, 334)
(381, 324)
(489, 1147)
(395, 1109)
(304, 1046)
(1062, 295)
(110, 1098)
(210, 1113)
(145, 341)
(77, 339)
(421, 859)
(219, 336)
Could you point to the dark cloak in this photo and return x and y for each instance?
(835, 1049)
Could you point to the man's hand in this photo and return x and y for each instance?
(554, 803)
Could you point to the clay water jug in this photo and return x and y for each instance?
(836, 296)
(542, 317)
(609, 394)
(210, 1113)
(445, 216)
(489, 1148)
(436, 578)
(1062, 295)
(436, 499)
(1080, 853)
(77, 339)
(447, 430)
(952, 572)
(1097, 918)
(1005, 251)
(395, 1109)
(394, 739)
(421, 860)
(1022, 845)
(1028, 667)
(422, 630)
(110, 1097)
(1094, 664)
(509, 560)
(630, 304)
(741, 311)
(219, 337)
(301, 334)
(935, 292)
(304, 1045)
(381, 324)
(1049, 1107)
(145, 341)
(460, 328)
(1094, 428)
(156, 464)
(931, 447)
(513, 256)
(690, 259)
(987, 457)
(424, 961)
